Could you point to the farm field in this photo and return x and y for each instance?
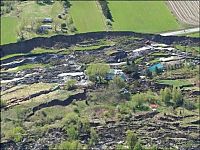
(186, 11)
(143, 16)
(87, 16)
(8, 30)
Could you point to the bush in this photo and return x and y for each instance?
(108, 22)
(70, 85)
(73, 28)
(131, 139)
(63, 25)
(72, 133)
(16, 134)
(3, 103)
(189, 105)
(93, 137)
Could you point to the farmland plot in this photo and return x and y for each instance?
(186, 11)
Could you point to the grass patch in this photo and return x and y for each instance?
(177, 83)
(142, 16)
(31, 66)
(188, 48)
(12, 55)
(9, 29)
(197, 34)
(87, 16)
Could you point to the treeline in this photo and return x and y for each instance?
(105, 9)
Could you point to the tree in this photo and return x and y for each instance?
(70, 84)
(72, 133)
(16, 134)
(167, 96)
(117, 81)
(131, 139)
(93, 137)
(177, 96)
(63, 25)
(138, 146)
(97, 70)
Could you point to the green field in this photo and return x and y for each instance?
(87, 16)
(197, 34)
(8, 30)
(142, 16)
(176, 83)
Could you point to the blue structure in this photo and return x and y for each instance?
(153, 68)
(116, 73)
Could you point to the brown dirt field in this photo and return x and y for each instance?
(186, 11)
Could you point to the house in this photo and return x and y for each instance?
(44, 28)
(47, 20)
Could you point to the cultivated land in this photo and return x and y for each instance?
(87, 16)
(142, 16)
(186, 11)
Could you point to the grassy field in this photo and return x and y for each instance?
(29, 12)
(142, 16)
(87, 16)
(177, 83)
(8, 29)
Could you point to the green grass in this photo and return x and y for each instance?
(142, 16)
(187, 48)
(31, 66)
(12, 55)
(177, 83)
(196, 34)
(87, 16)
(9, 30)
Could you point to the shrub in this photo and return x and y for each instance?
(138, 146)
(3, 103)
(63, 25)
(70, 85)
(131, 139)
(72, 133)
(189, 105)
(16, 134)
(73, 28)
(93, 137)
(108, 22)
